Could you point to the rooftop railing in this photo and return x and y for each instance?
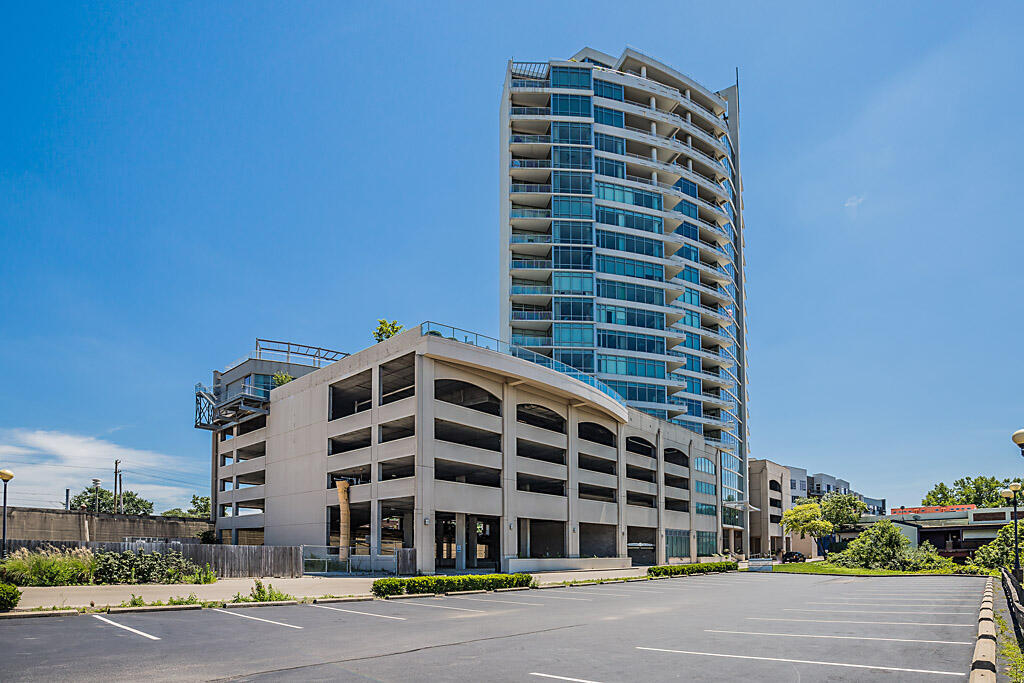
(492, 344)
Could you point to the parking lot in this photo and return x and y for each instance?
(723, 627)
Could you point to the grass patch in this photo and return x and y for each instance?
(261, 593)
(1010, 655)
(828, 568)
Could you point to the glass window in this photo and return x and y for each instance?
(630, 219)
(628, 195)
(634, 317)
(687, 186)
(612, 91)
(705, 487)
(565, 133)
(609, 117)
(690, 318)
(690, 274)
(692, 426)
(617, 265)
(688, 230)
(636, 391)
(627, 291)
(609, 143)
(688, 252)
(706, 508)
(624, 365)
(692, 363)
(571, 182)
(572, 283)
(630, 243)
(630, 341)
(704, 465)
(570, 77)
(581, 360)
(692, 341)
(572, 207)
(686, 208)
(573, 309)
(572, 232)
(694, 408)
(570, 157)
(576, 258)
(608, 167)
(707, 543)
(570, 105)
(677, 542)
(565, 334)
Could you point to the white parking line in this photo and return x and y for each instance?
(420, 603)
(352, 611)
(866, 611)
(507, 602)
(847, 621)
(246, 616)
(806, 635)
(563, 597)
(126, 628)
(603, 592)
(889, 604)
(806, 661)
(562, 678)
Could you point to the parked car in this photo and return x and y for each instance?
(794, 556)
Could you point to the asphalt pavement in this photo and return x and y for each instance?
(722, 627)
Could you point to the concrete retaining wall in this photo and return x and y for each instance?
(44, 524)
(550, 564)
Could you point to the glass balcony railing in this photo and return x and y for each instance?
(531, 111)
(531, 213)
(531, 289)
(530, 187)
(533, 263)
(520, 83)
(531, 315)
(531, 163)
(474, 339)
(525, 340)
(530, 139)
(530, 239)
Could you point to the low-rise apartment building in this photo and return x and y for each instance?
(473, 452)
(770, 493)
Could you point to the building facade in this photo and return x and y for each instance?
(770, 494)
(622, 240)
(473, 452)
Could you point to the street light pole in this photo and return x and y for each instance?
(1011, 492)
(6, 475)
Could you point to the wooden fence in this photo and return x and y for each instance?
(228, 561)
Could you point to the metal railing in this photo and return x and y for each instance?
(522, 83)
(522, 340)
(492, 344)
(531, 263)
(530, 187)
(531, 315)
(528, 289)
(530, 239)
(530, 163)
(530, 213)
(530, 139)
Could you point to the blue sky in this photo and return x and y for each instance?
(177, 179)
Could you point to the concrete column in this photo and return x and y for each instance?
(509, 518)
(620, 531)
(654, 102)
(572, 484)
(423, 507)
(686, 94)
(659, 536)
(654, 176)
(717, 459)
(214, 479)
(460, 540)
(374, 461)
(689, 141)
(643, 71)
(408, 527)
(524, 537)
(654, 128)
(471, 541)
(693, 539)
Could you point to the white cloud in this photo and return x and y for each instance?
(853, 202)
(46, 462)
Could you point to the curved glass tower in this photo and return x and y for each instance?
(622, 240)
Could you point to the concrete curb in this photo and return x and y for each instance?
(509, 590)
(39, 613)
(351, 598)
(637, 579)
(273, 603)
(409, 596)
(151, 608)
(465, 592)
(550, 585)
(983, 665)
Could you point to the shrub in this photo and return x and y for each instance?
(132, 567)
(880, 546)
(447, 584)
(49, 566)
(9, 596)
(204, 574)
(696, 568)
(261, 593)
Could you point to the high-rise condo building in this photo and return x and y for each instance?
(622, 240)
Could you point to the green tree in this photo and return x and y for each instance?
(806, 520)
(134, 504)
(841, 509)
(999, 553)
(386, 330)
(281, 378)
(880, 546)
(200, 508)
(981, 491)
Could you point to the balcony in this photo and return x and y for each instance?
(530, 111)
(530, 163)
(531, 315)
(527, 341)
(531, 290)
(520, 238)
(531, 188)
(531, 264)
(529, 84)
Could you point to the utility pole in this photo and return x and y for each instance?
(120, 490)
(117, 507)
(96, 495)
(67, 499)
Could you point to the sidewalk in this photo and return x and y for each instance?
(225, 589)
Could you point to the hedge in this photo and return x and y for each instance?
(697, 568)
(445, 584)
(9, 596)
